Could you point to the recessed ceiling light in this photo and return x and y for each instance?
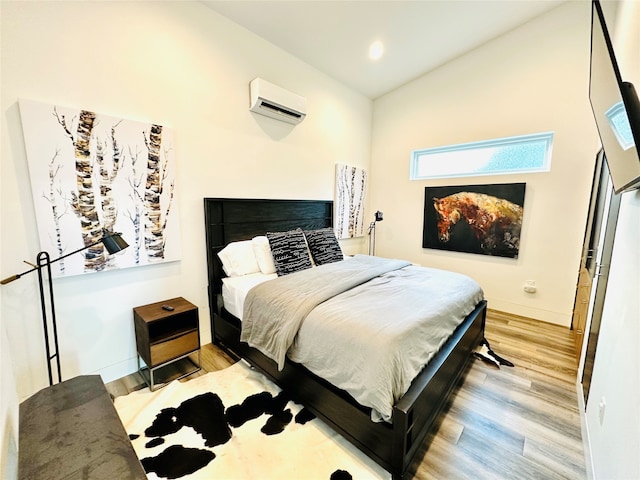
(376, 50)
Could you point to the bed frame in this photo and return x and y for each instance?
(393, 446)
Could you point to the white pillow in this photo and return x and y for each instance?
(262, 252)
(238, 259)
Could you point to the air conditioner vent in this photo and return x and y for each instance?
(280, 110)
(272, 101)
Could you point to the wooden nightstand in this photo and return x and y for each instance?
(167, 332)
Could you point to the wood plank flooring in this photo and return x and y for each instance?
(521, 422)
(501, 423)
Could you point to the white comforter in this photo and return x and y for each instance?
(367, 325)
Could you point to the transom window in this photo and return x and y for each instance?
(520, 154)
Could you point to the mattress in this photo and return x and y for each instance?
(235, 289)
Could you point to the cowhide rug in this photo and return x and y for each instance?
(484, 353)
(235, 424)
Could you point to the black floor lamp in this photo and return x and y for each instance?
(372, 232)
(113, 242)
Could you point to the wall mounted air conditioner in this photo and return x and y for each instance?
(276, 102)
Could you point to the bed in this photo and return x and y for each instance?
(393, 444)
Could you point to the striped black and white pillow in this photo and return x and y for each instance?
(324, 246)
(289, 250)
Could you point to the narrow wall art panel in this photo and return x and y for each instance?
(351, 191)
(91, 172)
(483, 219)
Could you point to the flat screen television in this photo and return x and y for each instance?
(615, 106)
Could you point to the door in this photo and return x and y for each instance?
(588, 260)
(594, 267)
(600, 280)
(581, 309)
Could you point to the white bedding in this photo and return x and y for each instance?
(235, 289)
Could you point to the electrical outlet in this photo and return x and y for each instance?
(530, 286)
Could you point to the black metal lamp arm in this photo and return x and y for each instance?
(38, 267)
(18, 275)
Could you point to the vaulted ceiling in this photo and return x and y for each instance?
(334, 36)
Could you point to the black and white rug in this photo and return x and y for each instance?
(235, 424)
(483, 352)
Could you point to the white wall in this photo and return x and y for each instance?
(9, 414)
(181, 65)
(533, 79)
(615, 442)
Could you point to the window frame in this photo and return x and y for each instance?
(545, 166)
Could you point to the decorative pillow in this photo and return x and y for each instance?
(238, 259)
(289, 250)
(262, 252)
(324, 246)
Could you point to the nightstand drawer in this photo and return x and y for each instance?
(170, 349)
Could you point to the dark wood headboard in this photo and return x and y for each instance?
(234, 219)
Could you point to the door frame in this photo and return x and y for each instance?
(596, 259)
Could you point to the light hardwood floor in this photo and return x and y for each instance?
(518, 422)
(513, 423)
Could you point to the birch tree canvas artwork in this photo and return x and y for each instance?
(351, 190)
(91, 172)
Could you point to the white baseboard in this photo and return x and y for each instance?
(564, 320)
(119, 370)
